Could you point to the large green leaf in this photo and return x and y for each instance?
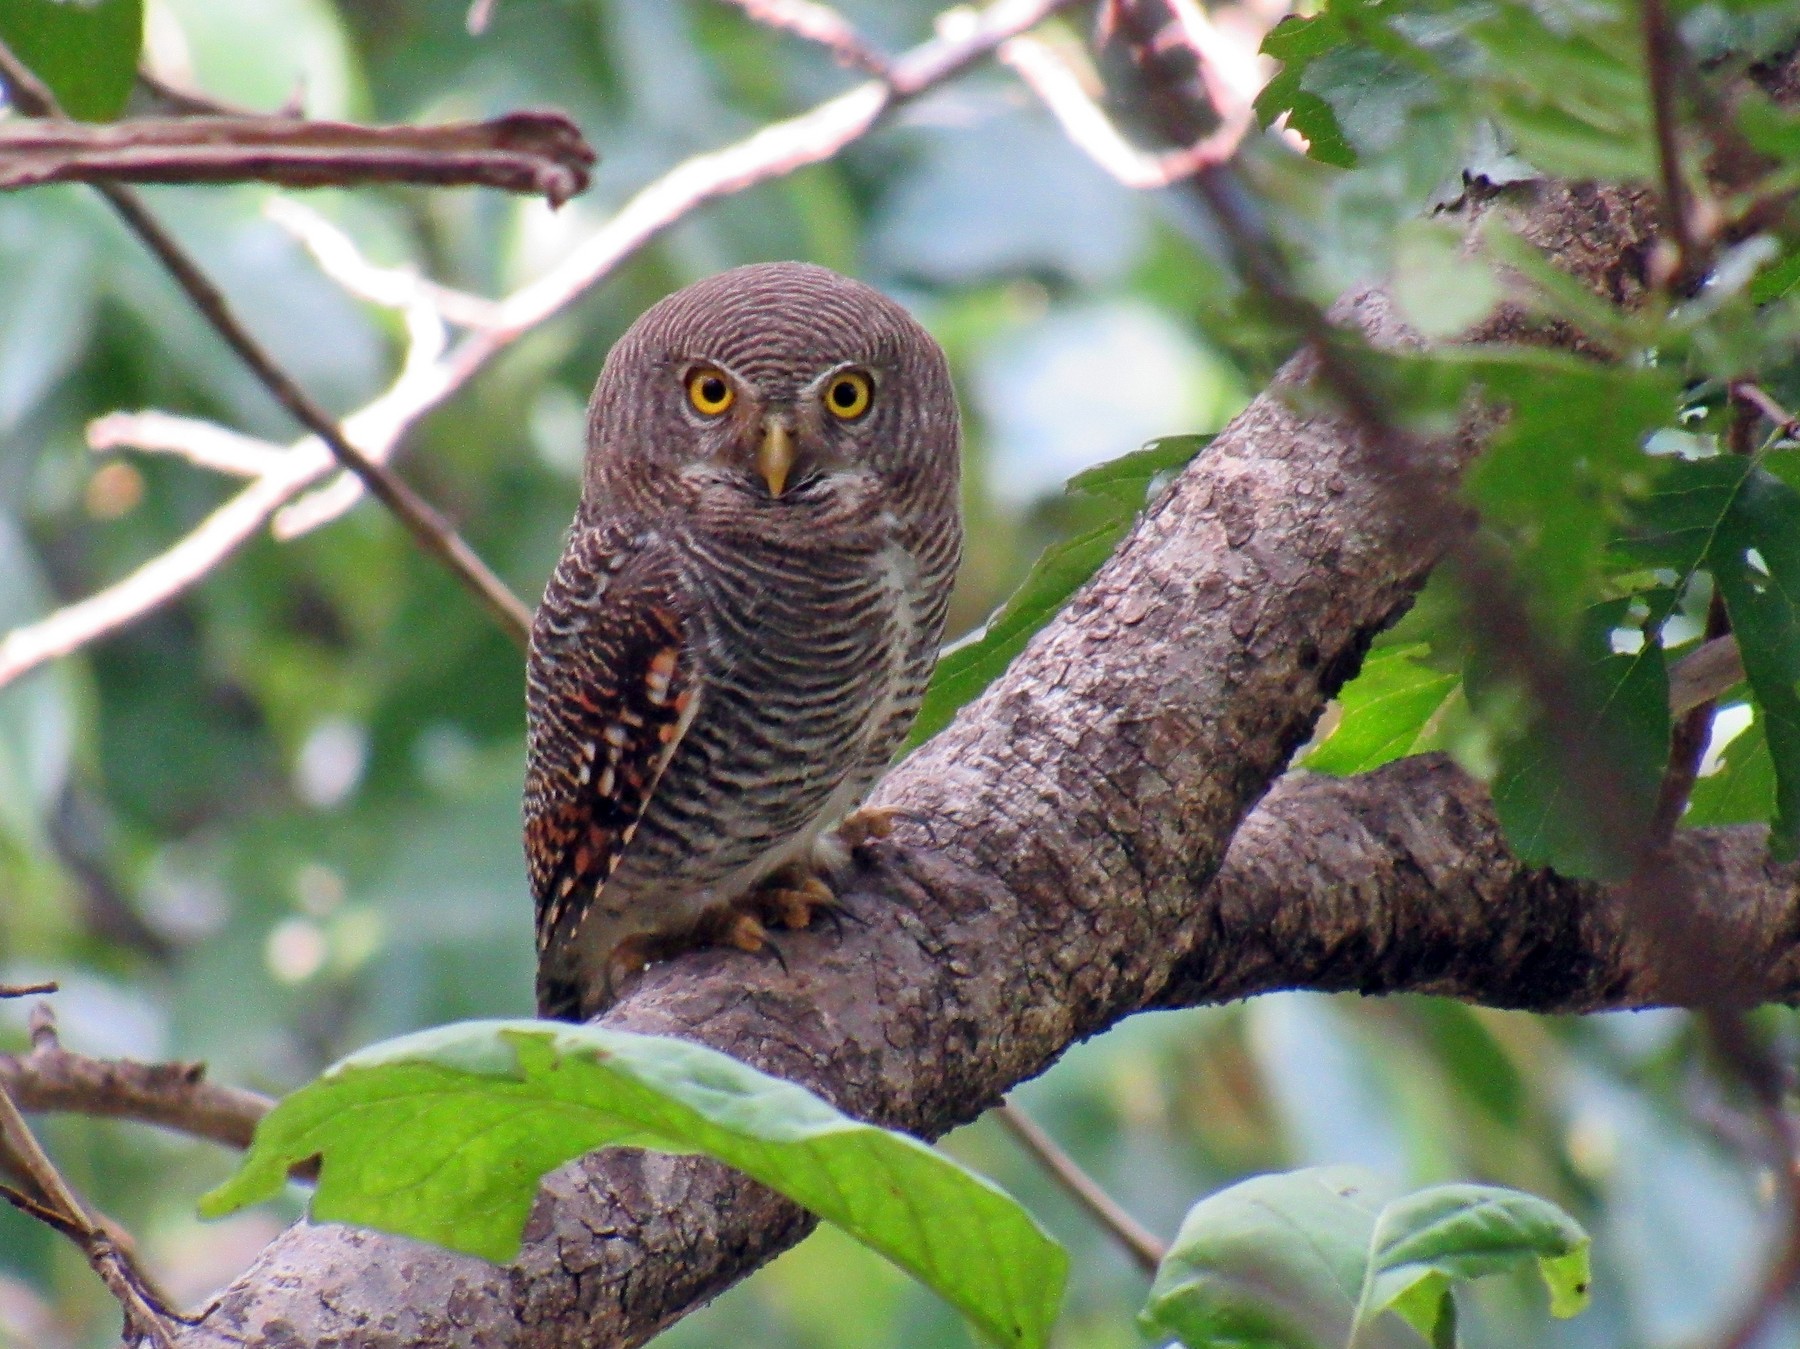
(1316, 1259)
(443, 1136)
(1755, 559)
(1120, 485)
(1619, 701)
(1555, 476)
(85, 50)
(1385, 710)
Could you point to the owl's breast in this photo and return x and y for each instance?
(803, 653)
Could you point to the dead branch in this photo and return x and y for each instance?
(533, 152)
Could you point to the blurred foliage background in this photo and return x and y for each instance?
(280, 819)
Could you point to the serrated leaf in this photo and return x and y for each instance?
(1755, 560)
(968, 667)
(1675, 525)
(1315, 1259)
(443, 1136)
(1623, 701)
(1555, 477)
(1385, 710)
(85, 50)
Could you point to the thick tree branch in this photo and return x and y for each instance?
(1076, 814)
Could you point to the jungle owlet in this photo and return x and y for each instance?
(743, 622)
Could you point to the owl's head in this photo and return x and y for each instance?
(771, 386)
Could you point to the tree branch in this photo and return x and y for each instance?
(174, 1095)
(1076, 813)
(536, 152)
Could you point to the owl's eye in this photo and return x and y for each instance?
(709, 391)
(848, 395)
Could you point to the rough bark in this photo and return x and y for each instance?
(1074, 818)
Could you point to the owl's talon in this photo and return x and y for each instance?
(745, 932)
(870, 823)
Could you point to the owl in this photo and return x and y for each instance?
(742, 624)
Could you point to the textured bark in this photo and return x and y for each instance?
(1073, 820)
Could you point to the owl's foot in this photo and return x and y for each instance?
(869, 825)
(790, 898)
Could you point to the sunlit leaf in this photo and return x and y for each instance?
(1385, 710)
(971, 665)
(444, 1135)
(85, 50)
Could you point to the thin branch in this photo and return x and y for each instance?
(531, 152)
(1660, 42)
(204, 444)
(1143, 1247)
(429, 530)
(171, 1095)
(771, 152)
(817, 23)
(1054, 80)
(26, 990)
(1704, 674)
(145, 1316)
(1758, 399)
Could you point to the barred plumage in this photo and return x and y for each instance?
(743, 622)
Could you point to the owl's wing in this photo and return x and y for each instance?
(611, 689)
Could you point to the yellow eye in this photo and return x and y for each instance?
(709, 391)
(848, 395)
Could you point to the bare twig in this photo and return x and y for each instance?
(1660, 42)
(817, 23)
(1145, 1250)
(200, 443)
(55, 1202)
(771, 152)
(1054, 80)
(535, 152)
(429, 530)
(172, 1095)
(1758, 399)
(26, 990)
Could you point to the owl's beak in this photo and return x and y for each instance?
(775, 456)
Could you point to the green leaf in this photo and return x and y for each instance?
(1295, 42)
(85, 50)
(1676, 524)
(1273, 1262)
(1464, 1232)
(1555, 478)
(1742, 791)
(1385, 710)
(1755, 560)
(1623, 711)
(1314, 1259)
(968, 667)
(444, 1135)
